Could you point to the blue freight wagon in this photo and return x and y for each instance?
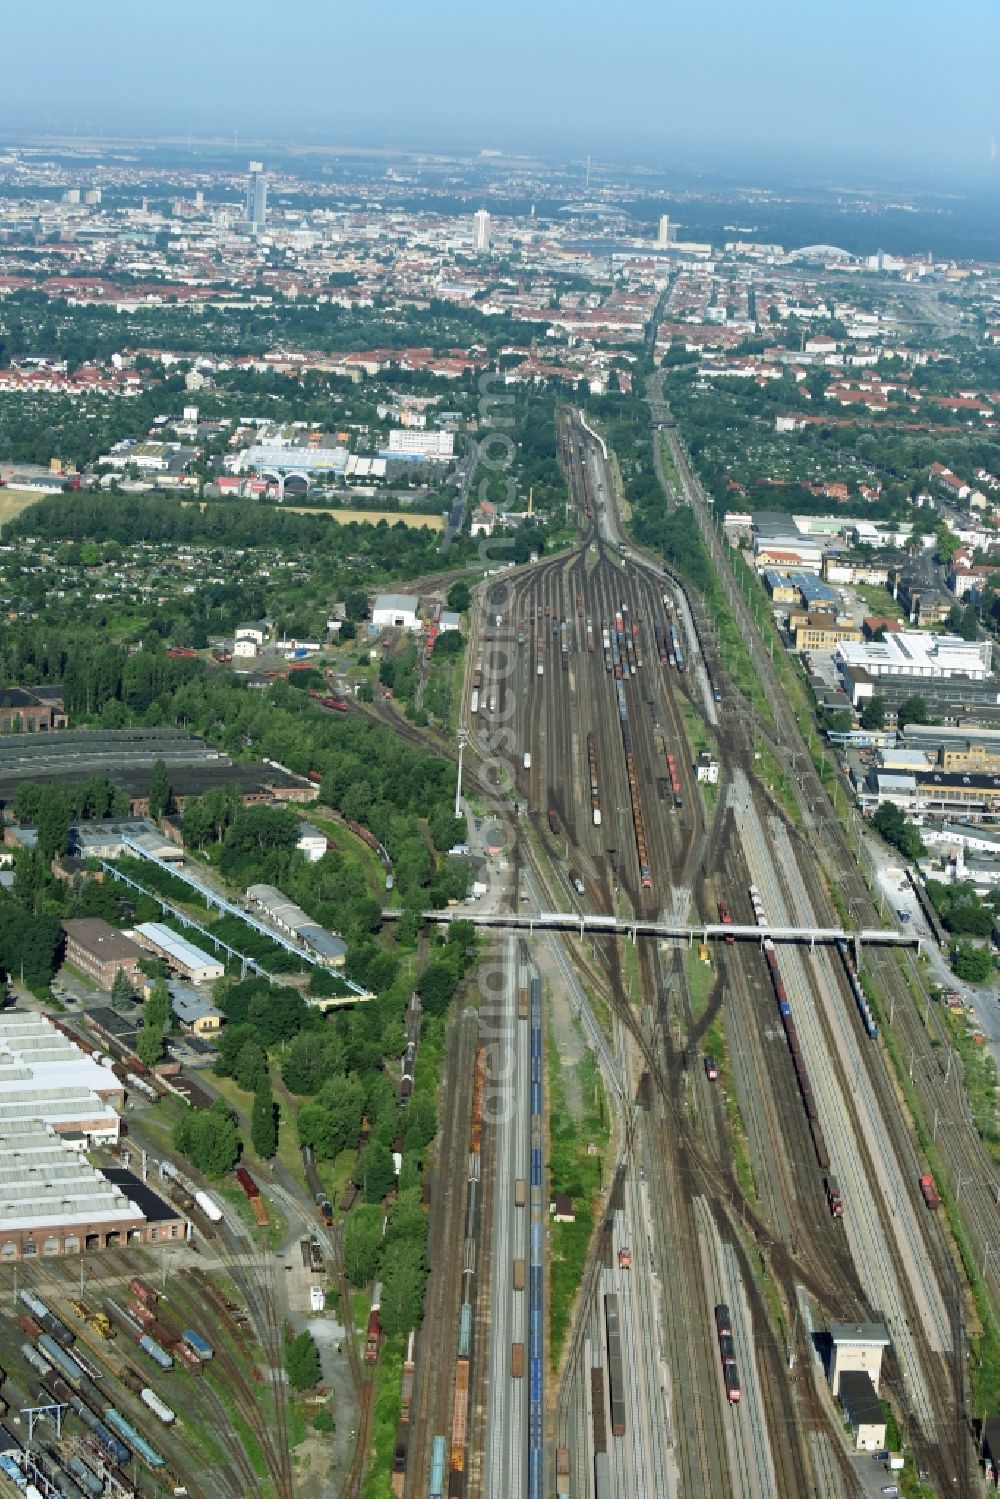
(436, 1490)
(204, 1350)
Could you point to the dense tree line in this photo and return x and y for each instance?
(92, 515)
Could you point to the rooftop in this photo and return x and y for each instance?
(177, 948)
(858, 1332)
(858, 1397)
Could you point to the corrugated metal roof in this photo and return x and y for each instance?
(183, 952)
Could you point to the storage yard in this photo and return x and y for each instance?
(161, 1380)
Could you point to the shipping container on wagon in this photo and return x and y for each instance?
(465, 1330)
(518, 1275)
(203, 1349)
(436, 1490)
(517, 1361)
(460, 1416)
(519, 1192)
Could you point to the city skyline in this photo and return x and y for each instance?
(711, 87)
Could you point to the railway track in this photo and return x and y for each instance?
(959, 1144)
(790, 1232)
(431, 1409)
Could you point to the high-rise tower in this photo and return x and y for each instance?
(257, 196)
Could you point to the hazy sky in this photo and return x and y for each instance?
(826, 82)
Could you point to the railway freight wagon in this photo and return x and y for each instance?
(374, 1331)
(598, 1416)
(436, 1490)
(860, 997)
(645, 876)
(795, 1050)
(595, 802)
(47, 1319)
(727, 1353)
(616, 1383)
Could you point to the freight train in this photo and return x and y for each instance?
(595, 802)
(795, 1049)
(642, 853)
(536, 1412)
(860, 998)
(727, 1353)
(616, 1385)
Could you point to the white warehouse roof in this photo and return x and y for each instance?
(913, 653)
(178, 949)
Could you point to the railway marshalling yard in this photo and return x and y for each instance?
(717, 1191)
(694, 1361)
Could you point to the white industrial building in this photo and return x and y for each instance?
(180, 954)
(914, 653)
(311, 842)
(439, 447)
(249, 639)
(288, 917)
(395, 611)
(54, 1101)
(45, 1074)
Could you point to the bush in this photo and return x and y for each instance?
(302, 1362)
(973, 964)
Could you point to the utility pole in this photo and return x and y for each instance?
(462, 741)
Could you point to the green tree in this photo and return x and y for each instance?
(156, 1012)
(374, 1171)
(250, 1065)
(29, 944)
(362, 1243)
(459, 596)
(418, 1121)
(302, 1362)
(208, 1138)
(897, 830)
(873, 714)
(912, 709)
(161, 796)
(973, 964)
(404, 1274)
(264, 1119)
(436, 986)
(122, 994)
(28, 801)
(149, 1045)
(54, 823)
